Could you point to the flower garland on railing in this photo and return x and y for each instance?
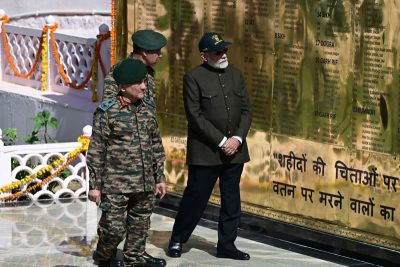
(84, 140)
(45, 48)
(113, 32)
(29, 178)
(43, 51)
(94, 80)
(97, 58)
(4, 21)
(44, 61)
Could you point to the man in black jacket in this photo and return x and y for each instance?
(219, 117)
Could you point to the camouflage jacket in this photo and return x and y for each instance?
(125, 153)
(111, 88)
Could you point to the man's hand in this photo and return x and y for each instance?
(161, 190)
(230, 146)
(94, 195)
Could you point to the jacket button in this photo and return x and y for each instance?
(228, 108)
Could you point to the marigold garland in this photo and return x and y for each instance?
(89, 74)
(29, 178)
(94, 80)
(100, 39)
(42, 54)
(113, 32)
(45, 48)
(44, 62)
(84, 140)
(10, 61)
(97, 58)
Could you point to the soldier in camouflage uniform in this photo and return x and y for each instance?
(147, 46)
(126, 165)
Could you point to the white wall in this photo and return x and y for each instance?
(16, 111)
(81, 26)
(74, 17)
(20, 7)
(18, 104)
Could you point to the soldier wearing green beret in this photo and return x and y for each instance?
(126, 165)
(147, 46)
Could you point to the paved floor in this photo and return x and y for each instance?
(64, 234)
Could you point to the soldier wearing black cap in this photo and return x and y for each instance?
(219, 117)
(147, 46)
(126, 165)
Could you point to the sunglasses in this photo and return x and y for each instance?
(221, 52)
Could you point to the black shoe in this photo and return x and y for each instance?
(117, 263)
(174, 249)
(233, 254)
(153, 262)
(104, 263)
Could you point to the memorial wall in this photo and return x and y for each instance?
(323, 80)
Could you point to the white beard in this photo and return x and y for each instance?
(219, 64)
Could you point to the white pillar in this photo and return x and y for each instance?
(5, 164)
(5, 178)
(91, 208)
(51, 63)
(1, 138)
(105, 54)
(87, 131)
(2, 55)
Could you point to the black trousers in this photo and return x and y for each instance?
(195, 198)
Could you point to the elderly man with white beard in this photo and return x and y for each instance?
(219, 116)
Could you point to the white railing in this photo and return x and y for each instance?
(75, 53)
(21, 160)
(23, 44)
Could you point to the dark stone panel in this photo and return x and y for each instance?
(295, 238)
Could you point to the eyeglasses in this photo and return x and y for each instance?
(221, 52)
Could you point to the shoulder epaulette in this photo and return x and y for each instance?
(106, 104)
(149, 102)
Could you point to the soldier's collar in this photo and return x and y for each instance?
(123, 103)
(150, 71)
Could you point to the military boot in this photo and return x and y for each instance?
(104, 263)
(117, 263)
(153, 262)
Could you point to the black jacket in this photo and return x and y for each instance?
(216, 105)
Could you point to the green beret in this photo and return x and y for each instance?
(129, 71)
(149, 39)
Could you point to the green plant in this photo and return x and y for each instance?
(42, 120)
(64, 174)
(10, 136)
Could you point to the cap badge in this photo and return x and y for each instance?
(216, 39)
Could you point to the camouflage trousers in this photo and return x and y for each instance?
(124, 216)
